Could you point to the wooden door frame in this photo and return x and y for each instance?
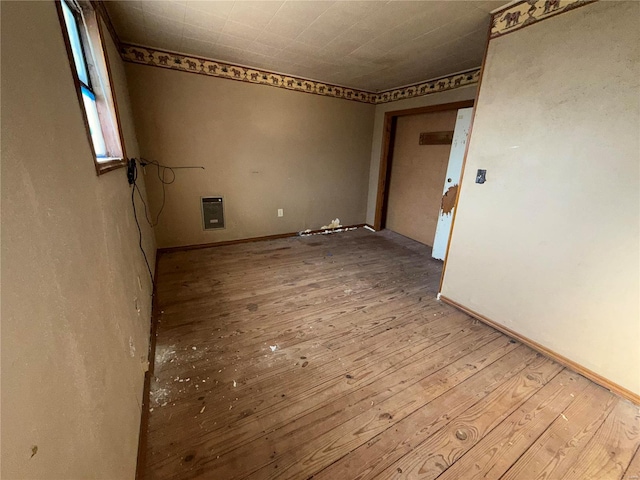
(386, 155)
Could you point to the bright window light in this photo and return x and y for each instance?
(76, 44)
(90, 67)
(94, 124)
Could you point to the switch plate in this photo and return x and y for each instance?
(280, 212)
(481, 176)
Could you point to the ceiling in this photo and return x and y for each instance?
(368, 45)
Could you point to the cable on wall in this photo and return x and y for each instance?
(132, 176)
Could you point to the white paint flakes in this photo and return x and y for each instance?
(165, 354)
(194, 348)
(234, 383)
(132, 347)
(273, 347)
(158, 396)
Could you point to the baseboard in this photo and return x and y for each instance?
(162, 251)
(144, 418)
(585, 372)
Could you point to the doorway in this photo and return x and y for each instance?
(413, 169)
(418, 172)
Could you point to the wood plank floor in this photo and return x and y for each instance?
(329, 357)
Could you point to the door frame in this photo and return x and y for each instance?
(386, 155)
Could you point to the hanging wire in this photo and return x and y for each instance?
(164, 180)
(135, 216)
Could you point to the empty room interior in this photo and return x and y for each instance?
(320, 239)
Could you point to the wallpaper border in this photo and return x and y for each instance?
(203, 66)
(527, 12)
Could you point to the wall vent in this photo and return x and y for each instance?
(212, 213)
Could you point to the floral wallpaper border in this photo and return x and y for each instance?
(203, 66)
(527, 12)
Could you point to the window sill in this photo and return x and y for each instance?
(108, 164)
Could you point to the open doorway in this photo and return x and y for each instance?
(415, 161)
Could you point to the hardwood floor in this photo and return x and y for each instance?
(329, 357)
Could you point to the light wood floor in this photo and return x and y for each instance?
(329, 357)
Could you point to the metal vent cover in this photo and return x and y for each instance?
(212, 213)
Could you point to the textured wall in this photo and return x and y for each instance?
(263, 148)
(75, 291)
(548, 247)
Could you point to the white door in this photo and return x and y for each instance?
(452, 180)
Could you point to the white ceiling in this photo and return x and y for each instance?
(368, 45)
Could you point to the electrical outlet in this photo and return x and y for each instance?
(280, 212)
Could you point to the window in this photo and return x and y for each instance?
(90, 68)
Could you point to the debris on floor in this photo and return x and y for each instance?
(334, 224)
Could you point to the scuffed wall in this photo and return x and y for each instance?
(548, 246)
(450, 96)
(263, 148)
(76, 295)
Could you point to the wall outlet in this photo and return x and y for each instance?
(280, 212)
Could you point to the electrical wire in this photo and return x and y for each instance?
(162, 176)
(135, 216)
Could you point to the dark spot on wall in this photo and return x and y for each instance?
(449, 199)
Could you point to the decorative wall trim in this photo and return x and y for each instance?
(214, 68)
(524, 13)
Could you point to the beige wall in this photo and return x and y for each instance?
(417, 176)
(73, 340)
(548, 247)
(264, 148)
(456, 95)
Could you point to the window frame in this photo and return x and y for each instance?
(90, 29)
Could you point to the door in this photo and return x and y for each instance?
(417, 172)
(451, 183)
